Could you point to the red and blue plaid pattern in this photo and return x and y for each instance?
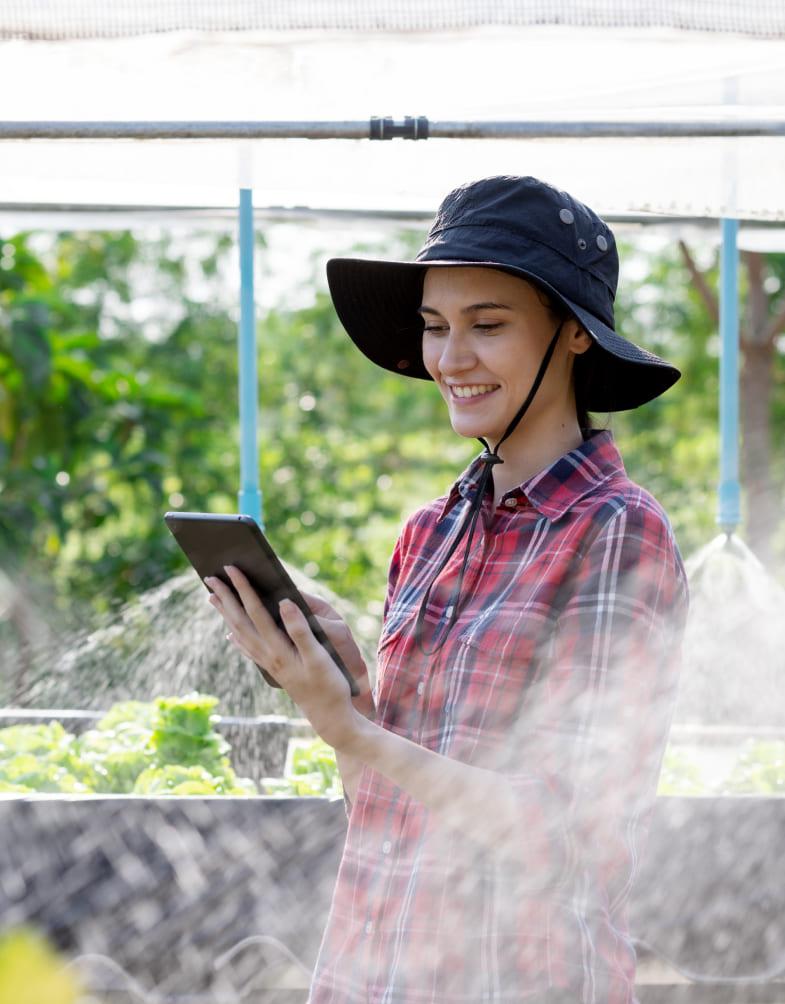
(560, 671)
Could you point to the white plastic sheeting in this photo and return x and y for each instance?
(481, 74)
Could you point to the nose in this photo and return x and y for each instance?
(456, 354)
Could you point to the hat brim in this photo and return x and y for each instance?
(378, 301)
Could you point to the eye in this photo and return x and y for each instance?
(434, 328)
(487, 326)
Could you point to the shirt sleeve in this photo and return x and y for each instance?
(597, 722)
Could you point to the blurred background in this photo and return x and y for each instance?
(129, 132)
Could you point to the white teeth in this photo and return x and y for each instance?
(473, 391)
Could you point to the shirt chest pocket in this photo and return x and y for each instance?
(485, 681)
(501, 640)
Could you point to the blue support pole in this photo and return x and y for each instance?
(249, 497)
(729, 492)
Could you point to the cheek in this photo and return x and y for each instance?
(431, 353)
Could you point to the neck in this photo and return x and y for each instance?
(525, 459)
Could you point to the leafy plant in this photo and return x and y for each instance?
(311, 770)
(43, 758)
(679, 776)
(168, 746)
(183, 731)
(759, 770)
(177, 779)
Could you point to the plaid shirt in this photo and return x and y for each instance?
(559, 671)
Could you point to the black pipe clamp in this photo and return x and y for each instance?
(410, 128)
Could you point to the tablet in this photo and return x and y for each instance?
(211, 541)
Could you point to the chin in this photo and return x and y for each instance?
(466, 431)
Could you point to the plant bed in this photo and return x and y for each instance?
(184, 895)
(82, 750)
(214, 895)
(709, 902)
(228, 890)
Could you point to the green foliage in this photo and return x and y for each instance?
(176, 779)
(183, 731)
(168, 746)
(107, 420)
(671, 446)
(43, 758)
(680, 775)
(311, 769)
(118, 400)
(759, 769)
(95, 419)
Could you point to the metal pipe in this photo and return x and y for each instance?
(249, 496)
(604, 130)
(419, 128)
(729, 490)
(184, 130)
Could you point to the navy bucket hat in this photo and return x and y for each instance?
(525, 227)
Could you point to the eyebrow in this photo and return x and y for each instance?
(470, 309)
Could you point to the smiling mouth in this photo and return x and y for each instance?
(472, 390)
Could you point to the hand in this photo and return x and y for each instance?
(340, 634)
(294, 658)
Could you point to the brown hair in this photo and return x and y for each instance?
(583, 365)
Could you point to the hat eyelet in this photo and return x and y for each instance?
(581, 244)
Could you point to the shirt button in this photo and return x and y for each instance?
(420, 688)
(369, 927)
(386, 847)
(511, 503)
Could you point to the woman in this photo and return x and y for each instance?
(499, 784)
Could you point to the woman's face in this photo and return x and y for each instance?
(485, 335)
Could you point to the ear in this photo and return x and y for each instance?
(579, 340)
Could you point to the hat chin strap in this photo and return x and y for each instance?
(489, 459)
(491, 456)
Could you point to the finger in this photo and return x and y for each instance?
(294, 618)
(223, 599)
(318, 605)
(236, 618)
(251, 602)
(326, 614)
(216, 586)
(299, 630)
(235, 642)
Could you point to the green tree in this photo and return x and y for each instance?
(670, 446)
(118, 400)
(762, 324)
(94, 416)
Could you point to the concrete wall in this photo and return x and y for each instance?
(225, 898)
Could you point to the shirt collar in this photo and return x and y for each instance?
(558, 487)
